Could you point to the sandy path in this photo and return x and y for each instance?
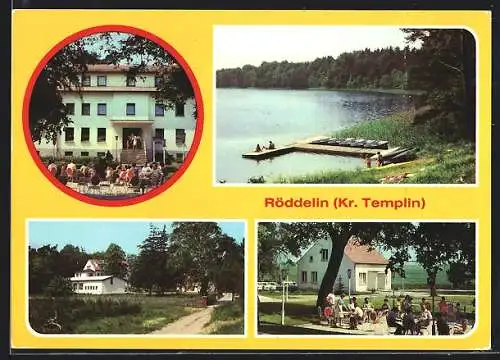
(193, 323)
(190, 324)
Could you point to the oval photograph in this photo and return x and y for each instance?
(113, 115)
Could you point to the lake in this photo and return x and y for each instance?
(246, 117)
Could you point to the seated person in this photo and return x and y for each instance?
(391, 318)
(367, 309)
(330, 299)
(442, 324)
(443, 306)
(257, 148)
(425, 317)
(409, 324)
(385, 307)
(52, 169)
(271, 145)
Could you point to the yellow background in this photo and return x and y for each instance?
(35, 32)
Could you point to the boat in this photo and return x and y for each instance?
(320, 141)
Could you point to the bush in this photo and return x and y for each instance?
(73, 310)
(59, 286)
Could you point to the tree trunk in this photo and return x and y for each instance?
(204, 287)
(338, 245)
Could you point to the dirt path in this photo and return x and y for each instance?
(190, 324)
(193, 323)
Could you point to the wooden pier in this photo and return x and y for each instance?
(306, 146)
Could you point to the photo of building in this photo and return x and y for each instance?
(113, 115)
(111, 108)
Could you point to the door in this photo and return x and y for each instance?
(128, 134)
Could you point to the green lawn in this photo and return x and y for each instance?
(108, 314)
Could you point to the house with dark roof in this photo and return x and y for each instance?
(367, 267)
(93, 280)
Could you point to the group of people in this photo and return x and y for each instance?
(270, 146)
(380, 160)
(148, 176)
(400, 316)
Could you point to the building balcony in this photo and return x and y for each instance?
(130, 119)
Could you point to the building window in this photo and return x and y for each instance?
(314, 277)
(68, 153)
(324, 254)
(303, 276)
(159, 110)
(130, 109)
(158, 81)
(69, 134)
(362, 279)
(86, 80)
(101, 80)
(70, 108)
(101, 154)
(86, 109)
(80, 286)
(180, 136)
(101, 134)
(311, 259)
(179, 109)
(131, 81)
(159, 133)
(101, 109)
(84, 154)
(85, 134)
(111, 281)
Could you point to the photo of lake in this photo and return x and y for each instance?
(247, 117)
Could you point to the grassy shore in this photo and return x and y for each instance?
(438, 161)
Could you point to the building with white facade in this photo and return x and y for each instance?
(368, 267)
(92, 280)
(110, 107)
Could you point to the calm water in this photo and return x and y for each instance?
(245, 117)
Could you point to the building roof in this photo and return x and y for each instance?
(358, 254)
(96, 265)
(362, 254)
(91, 278)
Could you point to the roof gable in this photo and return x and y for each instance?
(362, 254)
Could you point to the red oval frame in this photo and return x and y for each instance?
(198, 127)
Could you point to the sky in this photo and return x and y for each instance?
(235, 46)
(97, 235)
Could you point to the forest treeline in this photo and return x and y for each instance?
(380, 68)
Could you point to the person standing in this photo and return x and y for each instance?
(380, 159)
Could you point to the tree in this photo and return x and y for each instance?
(445, 68)
(115, 261)
(229, 274)
(71, 259)
(151, 269)
(42, 267)
(196, 248)
(59, 287)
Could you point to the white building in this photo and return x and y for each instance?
(368, 268)
(110, 107)
(92, 280)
